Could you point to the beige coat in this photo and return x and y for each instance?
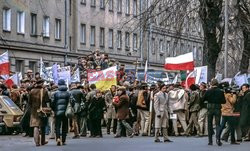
(111, 114)
(161, 105)
(178, 99)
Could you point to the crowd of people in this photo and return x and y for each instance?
(130, 109)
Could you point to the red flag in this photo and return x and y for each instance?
(4, 65)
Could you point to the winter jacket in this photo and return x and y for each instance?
(35, 103)
(245, 111)
(60, 101)
(228, 108)
(96, 108)
(78, 99)
(177, 99)
(122, 107)
(215, 97)
(194, 103)
(201, 95)
(143, 100)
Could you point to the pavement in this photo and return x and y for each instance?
(108, 143)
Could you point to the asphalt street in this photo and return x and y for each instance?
(108, 143)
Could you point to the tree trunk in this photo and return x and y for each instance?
(244, 63)
(209, 12)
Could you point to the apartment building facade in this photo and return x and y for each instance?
(34, 29)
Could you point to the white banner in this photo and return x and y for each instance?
(76, 76)
(201, 74)
(240, 79)
(64, 73)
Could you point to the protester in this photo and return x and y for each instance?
(202, 115)
(161, 108)
(38, 98)
(227, 111)
(61, 98)
(177, 104)
(245, 111)
(96, 109)
(215, 97)
(143, 104)
(111, 113)
(194, 107)
(78, 100)
(122, 106)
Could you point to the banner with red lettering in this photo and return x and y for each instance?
(103, 79)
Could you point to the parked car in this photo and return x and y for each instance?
(10, 116)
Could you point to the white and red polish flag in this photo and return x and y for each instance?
(14, 79)
(182, 62)
(190, 79)
(4, 65)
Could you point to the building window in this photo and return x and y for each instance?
(153, 45)
(20, 22)
(83, 2)
(119, 6)
(195, 52)
(58, 29)
(200, 54)
(182, 48)
(83, 33)
(135, 42)
(119, 40)
(46, 26)
(168, 48)
(127, 41)
(111, 38)
(102, 4)
(93, 3)
(92, 36)
(20, 66)
(33, 18)
(135, 8)
(32, 66)
(161, 46)
(102, 37)
(127, 7)
(111, 5)
(6, 19)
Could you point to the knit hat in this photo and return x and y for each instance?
(61, 82)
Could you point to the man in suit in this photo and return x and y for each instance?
(161, 113)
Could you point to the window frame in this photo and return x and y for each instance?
(20, 22)
(111, 39)
(33, 24)
(83, 34)
(58, 29)
(92, 39)
(46, 23)
(6, 19)
(102, 37)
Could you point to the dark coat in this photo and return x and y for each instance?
(122, 107)
(78, 99)
(96, 108)
(245, 111)
(60, 101)
(215, 97)
(34, 102)
(194, 103)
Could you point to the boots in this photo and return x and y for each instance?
(37, 136)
